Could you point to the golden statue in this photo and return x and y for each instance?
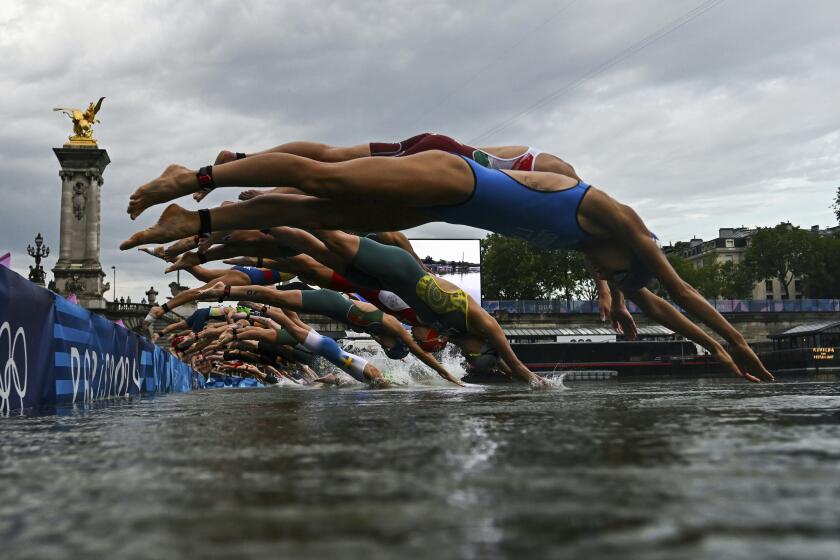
(83, 122)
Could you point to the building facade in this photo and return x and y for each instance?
(731, 245)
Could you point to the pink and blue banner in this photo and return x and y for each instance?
(54, 352)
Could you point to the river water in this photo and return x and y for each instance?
(677, 469)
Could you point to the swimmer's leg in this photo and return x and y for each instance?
(228, 277)
(357, 367)
(275, 210)
(311, 150)
(427, 179)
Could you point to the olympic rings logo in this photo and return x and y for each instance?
(11, 377)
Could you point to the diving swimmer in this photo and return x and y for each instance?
(547, 209)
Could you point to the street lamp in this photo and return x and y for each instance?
(40, 251)
(114, 268)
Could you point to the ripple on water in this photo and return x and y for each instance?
(611, 470)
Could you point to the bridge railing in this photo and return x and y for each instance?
(722, 305)
(120, 307)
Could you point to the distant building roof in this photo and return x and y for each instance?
(585, 331)
(809, 328)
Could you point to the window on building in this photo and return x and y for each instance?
(730, 243)
(770, 296)
(785, 296)
(797, 285)
(768, 286)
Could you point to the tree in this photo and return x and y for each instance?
(736, 281)
(836, 205)
(712, 278)
(781, 252)
(512, 269)
(822, 273)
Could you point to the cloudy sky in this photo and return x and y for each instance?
(700, 114)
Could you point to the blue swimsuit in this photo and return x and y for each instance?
(500, 203)
(259, 276)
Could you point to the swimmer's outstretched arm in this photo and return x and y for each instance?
(628, 225)
(664, 313)
(395, 328)
(621, 319)
(482, 323)
(605, 299)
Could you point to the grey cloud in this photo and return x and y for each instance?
(729, 120)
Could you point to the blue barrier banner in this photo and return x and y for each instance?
(53, 351)
(26, 338)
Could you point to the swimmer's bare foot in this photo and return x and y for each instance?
(181, 246)
(214, 292)
(224, 156)
(185, 261)
(174, 223)
(156, 252)
(174, 182)
(204, 243)
(249, 194)
(154, 314)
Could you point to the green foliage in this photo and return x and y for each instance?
(713, 279)
(736, 281)
(780, 252)
(512, 269)
(822, 270)
(836, 205)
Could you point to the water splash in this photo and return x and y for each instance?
(555, 379)
(408, 372)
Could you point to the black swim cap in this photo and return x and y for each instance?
(634, 279)
(398, 351)
(485, 363)
(639, 275)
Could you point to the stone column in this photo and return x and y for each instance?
(78, 269)
(94, 221)
(66, 225)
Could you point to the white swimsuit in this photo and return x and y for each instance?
(523, 162)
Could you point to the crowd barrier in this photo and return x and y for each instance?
(722, 305)
(55, 352)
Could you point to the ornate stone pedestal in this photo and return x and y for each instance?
(78, 269)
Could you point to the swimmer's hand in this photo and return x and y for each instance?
(604, 305)
(539, 383)
(722, 356)
(749, 363)
(623, 322)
